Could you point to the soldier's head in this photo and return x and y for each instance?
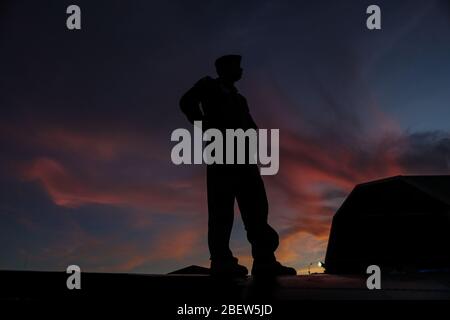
(229, 67)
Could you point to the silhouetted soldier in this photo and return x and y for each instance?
(218, 104)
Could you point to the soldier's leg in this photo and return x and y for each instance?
(252, 201)
(220, 212)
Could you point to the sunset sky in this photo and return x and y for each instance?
(86, 117)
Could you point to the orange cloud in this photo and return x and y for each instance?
(68, 189)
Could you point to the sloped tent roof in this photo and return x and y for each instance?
(192, 269)
(399, 223)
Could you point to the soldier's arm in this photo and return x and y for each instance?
(190, 103)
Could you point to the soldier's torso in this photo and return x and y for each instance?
(223, 107)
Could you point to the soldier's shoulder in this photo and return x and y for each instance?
(205, 82)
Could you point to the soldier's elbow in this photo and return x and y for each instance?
(184, 104)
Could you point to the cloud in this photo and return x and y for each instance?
(124, 167)
(427, 152)
(69, 189)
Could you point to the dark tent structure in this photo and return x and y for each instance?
(192, 269)
(400, 223)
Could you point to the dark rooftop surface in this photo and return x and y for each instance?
(138, 296)
(41, 286)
